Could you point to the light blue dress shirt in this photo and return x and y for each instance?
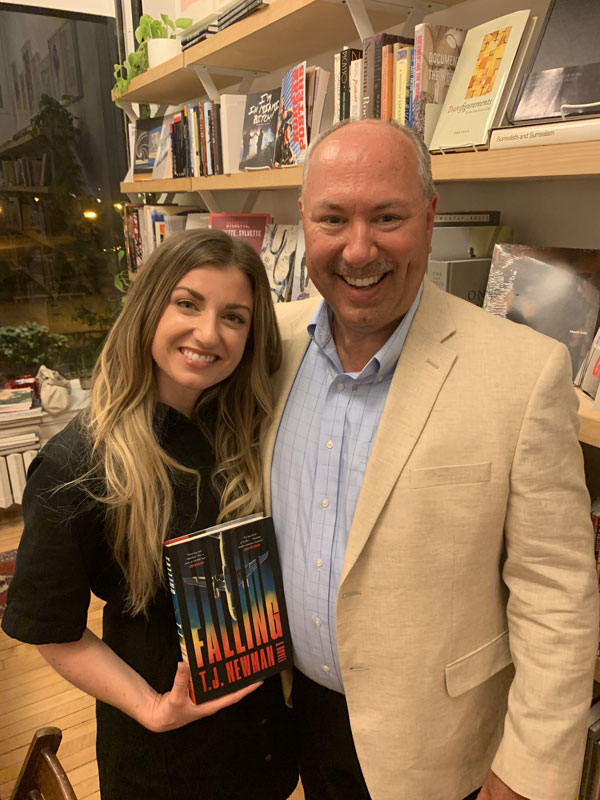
(321, 453)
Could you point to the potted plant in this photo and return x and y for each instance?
(157, 42)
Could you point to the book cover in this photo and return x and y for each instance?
(483, 78)
(292, 136)
(259, 129)
(555, 290)
(249, 227)
(336, 87)
(547, 93)
(387, 81)
(278, 255)
(466, 278)
(571, 130)
(229, 604)
(438, 48)
(450, 242)
(163, 161)
(302, 286)
(147, 141)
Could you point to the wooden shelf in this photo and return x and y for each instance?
(259, 180)
(572, 160)
(163, 185)
(589, 430)
(278, 35)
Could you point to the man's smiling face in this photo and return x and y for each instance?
(367, 228)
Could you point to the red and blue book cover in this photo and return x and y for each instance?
(229, 605)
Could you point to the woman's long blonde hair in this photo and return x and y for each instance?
(136, 474)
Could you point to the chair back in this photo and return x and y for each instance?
(42, 776)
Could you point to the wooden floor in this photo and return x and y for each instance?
(32, 696)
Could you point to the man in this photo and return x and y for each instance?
(432, 517)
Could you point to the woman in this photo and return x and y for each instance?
(169, 445)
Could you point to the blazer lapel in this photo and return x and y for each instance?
(422, 369)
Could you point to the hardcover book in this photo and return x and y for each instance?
(401, 83)
(229, 605)
(571, 130)
(437, 48)
(550, 93)
(466, 278)
(555, 290)
(259, 129)
(446, 218)
(147, 140)
(487, 68)
(372, 59)
(292, 130)
(347, 56)
(249, 227)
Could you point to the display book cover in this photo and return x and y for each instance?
(554, 290)
(259, 129)
(488, 66)
(229, 605)
(147, 140)
(248, 227)
(291, 140)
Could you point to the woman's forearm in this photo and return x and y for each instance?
(94, 668)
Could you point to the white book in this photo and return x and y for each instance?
(573, 130)
(466, 278)
(6, 498)
(485, 77)
(16, 473)
(196, 220)
(28, 457)
(233, 108)
(356, 88)
(336, 88)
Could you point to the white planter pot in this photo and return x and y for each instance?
(160, 50)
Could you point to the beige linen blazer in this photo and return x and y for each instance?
(467, 609)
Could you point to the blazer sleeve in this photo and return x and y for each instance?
(552, 609)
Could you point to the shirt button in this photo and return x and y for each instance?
(318, 622)
(325, 668)
(319, 562)
(340, 387)
(324, 502)
(330, 444)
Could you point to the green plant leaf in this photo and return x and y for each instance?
(183, 22)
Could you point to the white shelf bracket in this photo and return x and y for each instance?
(418, 11)
(209, 201)
(205, 74)
(249, 202)
(166, 197)
(129, 110)
(361, 19)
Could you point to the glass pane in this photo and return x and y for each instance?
(62, 155)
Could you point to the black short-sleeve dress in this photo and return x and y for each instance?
(244, 751)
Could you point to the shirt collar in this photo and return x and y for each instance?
(385, 359)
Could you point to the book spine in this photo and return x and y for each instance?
(550, 133)
(417, 71)
(344, 91)
(336, 86)
(411, 84)
(209, 163)
(179, 621)
(202, 140)
(356, 83)
(386, 81)
(367, 100)
(451, 218)
(377, 61)
(216, 109)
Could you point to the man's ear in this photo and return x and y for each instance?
(301, 207)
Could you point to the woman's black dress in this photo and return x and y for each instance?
(245, 750)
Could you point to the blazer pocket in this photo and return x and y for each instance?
(456, 473)
(476, 667)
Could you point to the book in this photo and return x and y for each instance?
(278, 253)
(233, 109)
(317, 80)
(292, 135)
(437, 48)
(356, 84)
(15, 400)
(196, 220)
(387, 81)
(163, 160)
(16, 474)
(444, 218)
(553, 93)
(229, 605)
(6, 498)
(147, 140)
(249, 227)
(466, 278)
(401, 87)
(555, 290)
(336, 87)
(347, 56)
(572, 130)
(449, 242)
(488, 65)
(372, 47)
(259, 130)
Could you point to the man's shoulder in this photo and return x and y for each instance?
(296, 315)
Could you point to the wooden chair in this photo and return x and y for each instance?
(42, 776)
